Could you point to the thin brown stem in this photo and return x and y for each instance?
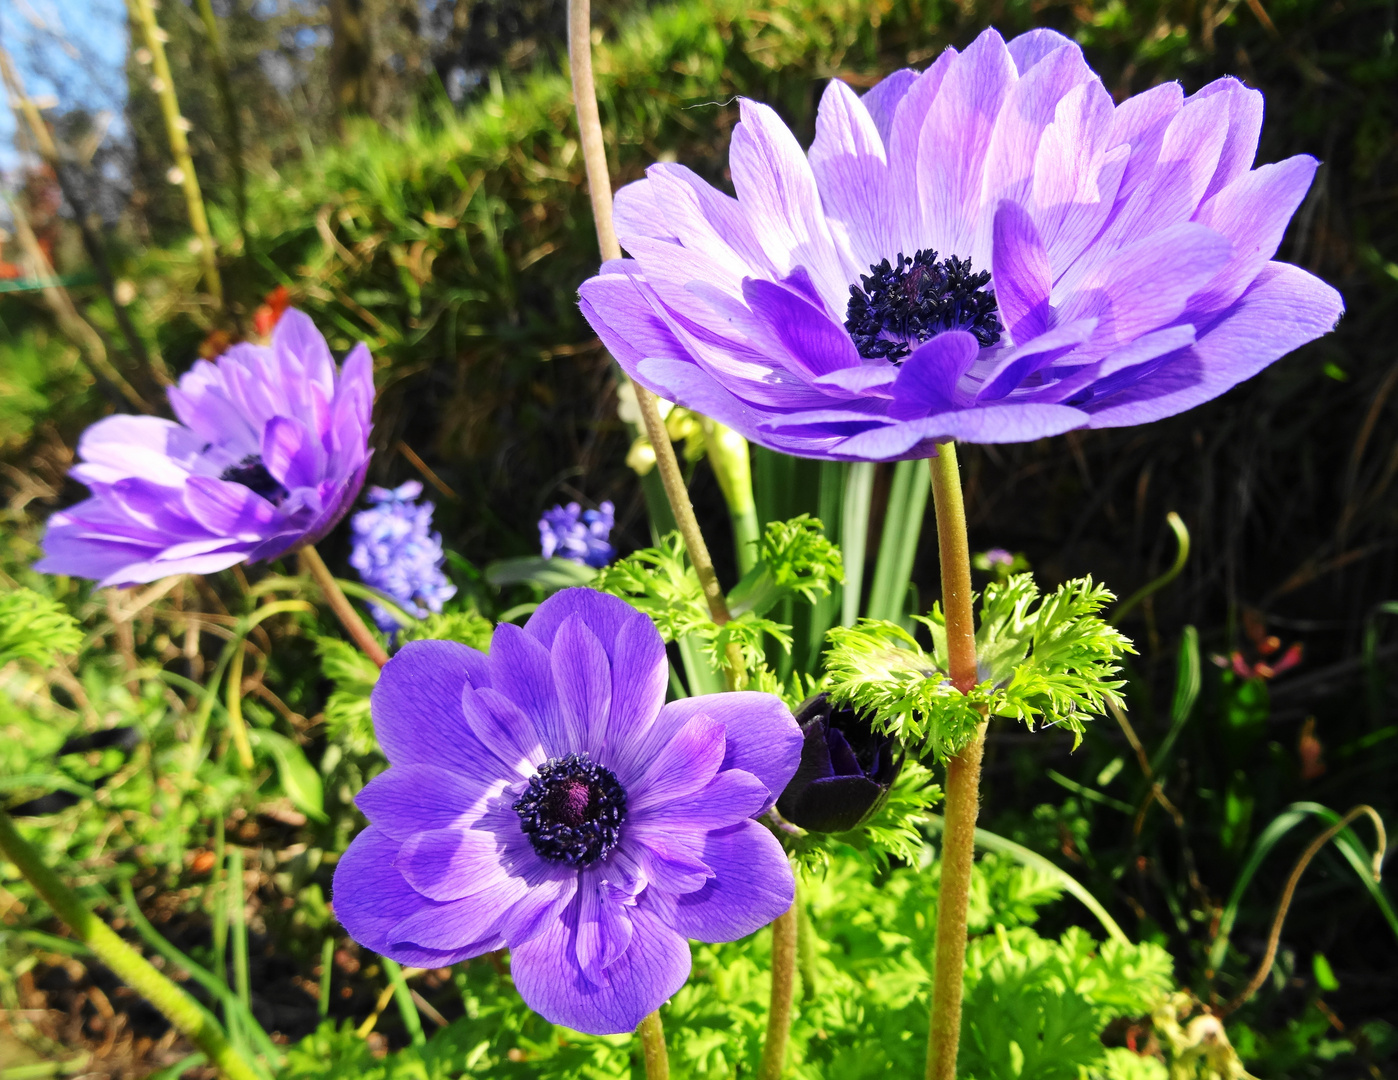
(784, 954)
(657, 1058)
(963, 772)
(600, 190)
(313, 564)
(1289, 892)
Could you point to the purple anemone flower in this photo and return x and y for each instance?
(269, 453)
(990, 250)
(564, 811)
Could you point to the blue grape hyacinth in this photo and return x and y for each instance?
(396, 552)
(570, 532)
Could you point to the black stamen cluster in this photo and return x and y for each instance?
(251, 473)
(573, 810)
(916, 300)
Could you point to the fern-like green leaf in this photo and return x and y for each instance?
(33, 627)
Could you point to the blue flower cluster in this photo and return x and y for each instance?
(396, 552)
(570, 532)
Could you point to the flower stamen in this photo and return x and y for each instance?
(902, 306)
(252, 474)
(573, 810)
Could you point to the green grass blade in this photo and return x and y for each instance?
(1188, 680)
(854, 536)
(1002, 846)
(406, 1006)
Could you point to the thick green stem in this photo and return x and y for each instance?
(805, 948)
(657, 1058)
(187, 1015)
(784, 951)
(340, 605)
(963, 772)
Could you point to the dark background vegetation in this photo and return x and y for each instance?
(413, 179)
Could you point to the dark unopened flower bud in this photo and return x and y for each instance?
(846, 769)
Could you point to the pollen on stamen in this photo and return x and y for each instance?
(900, 307)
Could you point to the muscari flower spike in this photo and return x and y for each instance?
(847, 769)
(545, 798)
(570, 532)
(269, 453)
(990, 250)
(396, 551)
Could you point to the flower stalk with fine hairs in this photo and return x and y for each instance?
(600, 190)
(963, 772)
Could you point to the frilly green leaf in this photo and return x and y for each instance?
(1042, 660)
(33, 627)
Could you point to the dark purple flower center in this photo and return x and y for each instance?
(251, 473)
(902, 306)
(573, 810)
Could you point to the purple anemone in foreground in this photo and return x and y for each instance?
(545, 798)
(990, 250)
(269, 453)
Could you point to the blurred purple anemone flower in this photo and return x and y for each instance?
(396, 552)
(564, 811)
(270, 452)
(570, 532)
(990, 250)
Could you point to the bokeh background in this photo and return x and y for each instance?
(408, 171)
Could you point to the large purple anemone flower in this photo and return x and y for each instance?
(270, 452)
(990, 250)
(545, 799)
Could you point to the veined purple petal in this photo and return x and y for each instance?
(747, 890)
(655, 964)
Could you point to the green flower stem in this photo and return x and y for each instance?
(657, 1058)
(369, 645)
(187, 1015)
(143, 15)
(599, 187)
(784, 952)
(963, 772)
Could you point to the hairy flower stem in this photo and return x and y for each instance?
(657, 1059)
(784, 952)
(963, 771)
(142, 14)
(599, 186)
(186, 1014)
(340, 605)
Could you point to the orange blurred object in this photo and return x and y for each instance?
(273, 305)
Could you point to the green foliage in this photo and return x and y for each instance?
(794, 560)
(468, 627)
(873, 944)
(1035, 1008)
(33, 627)
(1050, 663)
(347, 708)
